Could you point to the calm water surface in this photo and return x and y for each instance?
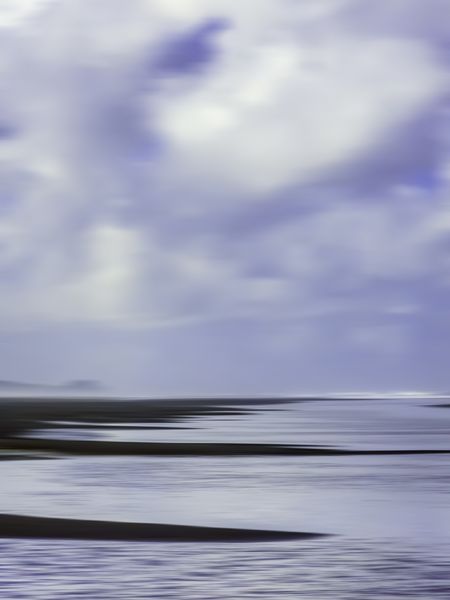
(390, 514)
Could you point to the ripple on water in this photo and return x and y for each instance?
(324, 569)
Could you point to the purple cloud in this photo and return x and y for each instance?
(264, 193)
(190, 52)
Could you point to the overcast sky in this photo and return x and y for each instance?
(225, 196)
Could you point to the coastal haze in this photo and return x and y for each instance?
(224, 290)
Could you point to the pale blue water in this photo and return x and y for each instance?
(390, 514)
(345, 569)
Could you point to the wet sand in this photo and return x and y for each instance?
(17, 526)
(22, 415)
(6, 456)
(99, 448)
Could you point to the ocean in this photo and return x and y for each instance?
(386, 516)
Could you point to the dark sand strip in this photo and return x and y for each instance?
(16, 526)
(107, 448)
(20, 415)
(5, 456)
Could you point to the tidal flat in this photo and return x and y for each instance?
(338, 497)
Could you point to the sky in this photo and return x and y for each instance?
(225, 197)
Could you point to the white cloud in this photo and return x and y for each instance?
(109, 280)
(296, 92)
(14, 12)
(284, 113)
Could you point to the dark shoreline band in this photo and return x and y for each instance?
(18, 526)
(107, 448)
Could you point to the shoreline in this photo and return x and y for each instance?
(22, 415)
(174, 449)
(18, 526)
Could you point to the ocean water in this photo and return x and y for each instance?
(389, 516)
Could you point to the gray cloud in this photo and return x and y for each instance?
(279, 179)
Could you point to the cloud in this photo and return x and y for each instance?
(165, 164)
(191, 52)
(288, 112)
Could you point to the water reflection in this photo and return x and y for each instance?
(391, 514)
